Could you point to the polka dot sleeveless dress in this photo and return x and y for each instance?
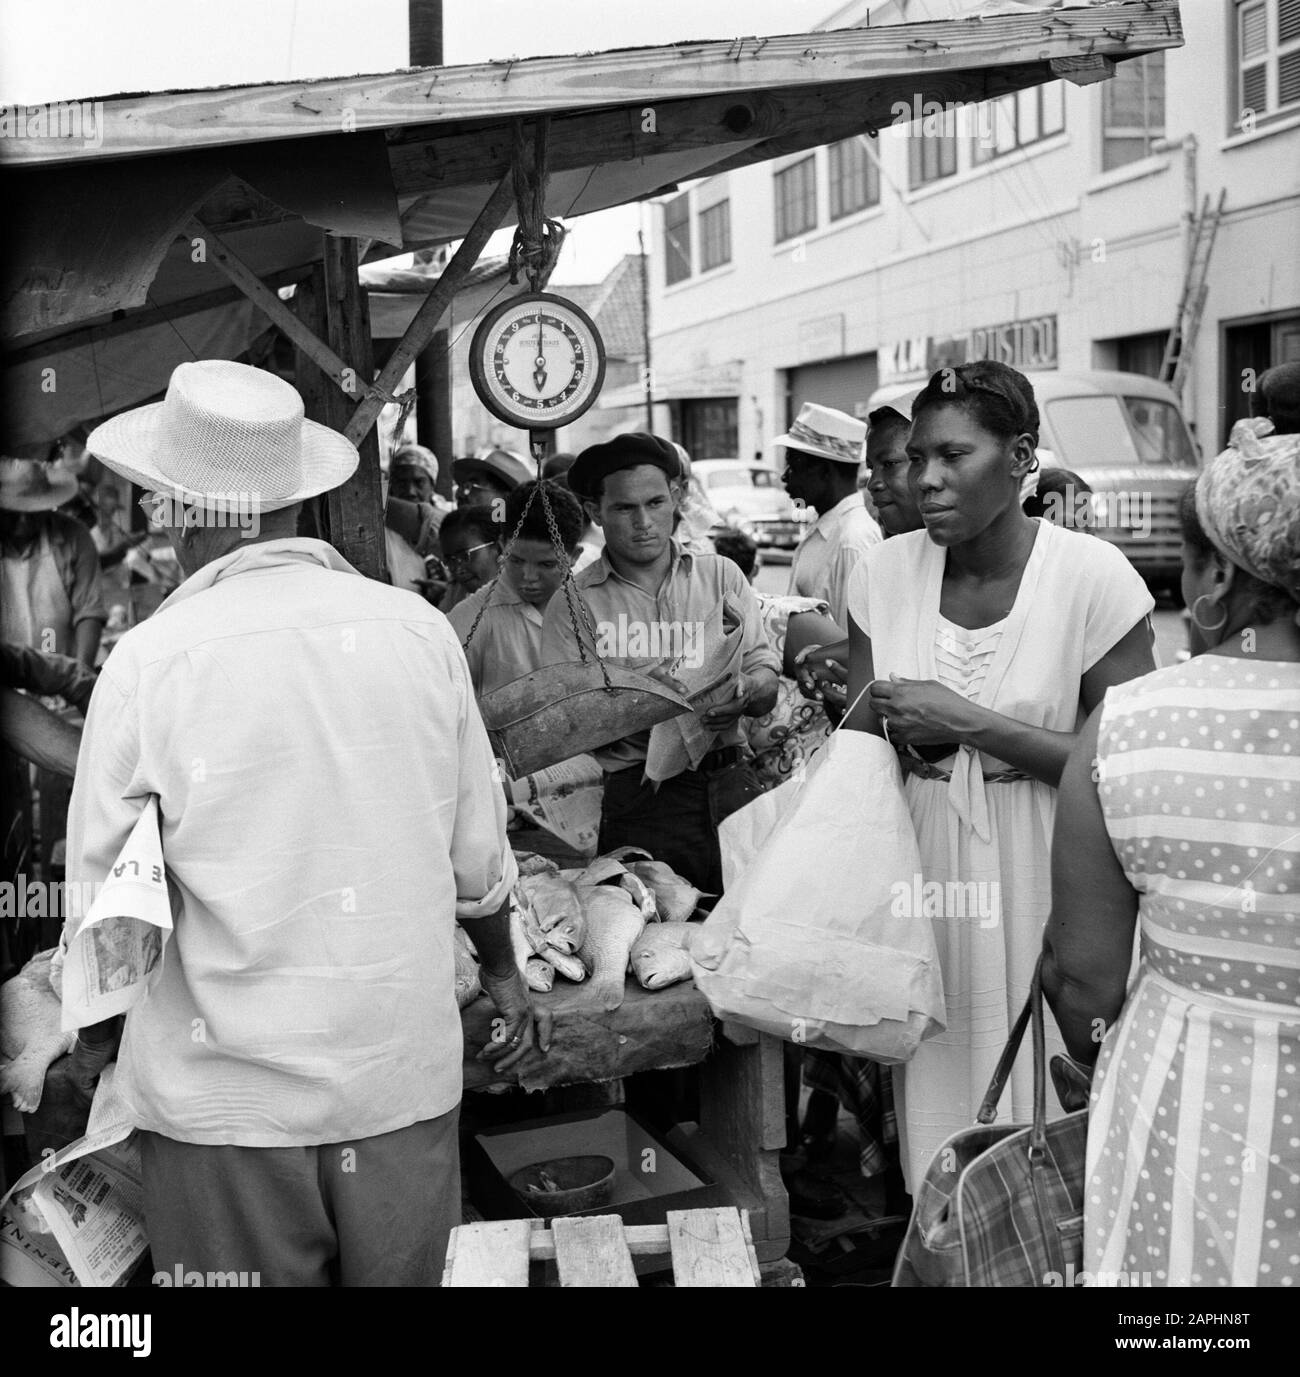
(1194, 1134)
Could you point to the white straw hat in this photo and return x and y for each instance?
(827, 433)
(226, 433)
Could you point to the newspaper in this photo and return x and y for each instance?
(115, 954)
(77, 1218)
(565, 799)
(682, 742)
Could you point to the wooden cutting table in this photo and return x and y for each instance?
(742, 1107)
(742, 1100)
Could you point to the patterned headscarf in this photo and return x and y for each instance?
(1248, 503)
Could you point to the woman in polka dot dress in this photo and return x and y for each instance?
(1180, 808)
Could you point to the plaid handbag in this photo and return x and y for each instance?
(1002, 1204)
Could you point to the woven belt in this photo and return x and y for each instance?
(922, 769)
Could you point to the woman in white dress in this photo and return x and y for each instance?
(986, 639)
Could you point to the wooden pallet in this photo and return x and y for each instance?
(708, 1248)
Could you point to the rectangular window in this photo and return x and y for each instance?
(1132, 110)
(715, 236)
(1267, 59)
(677, 238)
(1018, 120)
(854, 177)
(710, 429)
(796, 199)
(932, 148)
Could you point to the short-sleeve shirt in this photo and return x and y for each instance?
(830, 552)
(507, 643)
(692, 589)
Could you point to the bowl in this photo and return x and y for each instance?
(564, 1185)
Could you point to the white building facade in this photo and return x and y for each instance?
(1049, 229)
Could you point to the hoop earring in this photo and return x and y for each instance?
(1201, 626)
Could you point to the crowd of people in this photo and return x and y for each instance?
(940, 600)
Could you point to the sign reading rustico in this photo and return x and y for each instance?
(1023, 344)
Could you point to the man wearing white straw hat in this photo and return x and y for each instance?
(824, 452)
(295, 1068)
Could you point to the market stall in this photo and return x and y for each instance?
(209, 202)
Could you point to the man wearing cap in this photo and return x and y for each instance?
(824, 450)
(295, 1069)
(412, 515)
(489, 478)
(50, 587)
(646, 592)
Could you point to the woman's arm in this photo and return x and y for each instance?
(1035, 750)
(862, 670)
(1088, 942)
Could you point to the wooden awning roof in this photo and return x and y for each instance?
(409, 159)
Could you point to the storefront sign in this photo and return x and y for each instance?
(1024, 344)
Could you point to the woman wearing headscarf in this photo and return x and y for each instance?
(1180, 812)
(986, 638)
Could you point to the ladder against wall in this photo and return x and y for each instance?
(1181, 343)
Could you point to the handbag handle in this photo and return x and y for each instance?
(1032, 1013)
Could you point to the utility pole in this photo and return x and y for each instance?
(647, 371)
(433, 410)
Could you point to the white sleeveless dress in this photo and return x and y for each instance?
(988, 842)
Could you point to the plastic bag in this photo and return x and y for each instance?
(816, 941)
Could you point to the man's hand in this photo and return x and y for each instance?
(519, 1028)
(95, 1047)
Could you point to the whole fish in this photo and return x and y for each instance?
(525, 936)
(614, 922)
(641, 894)
(600, 871)
(30, 1033)
(662, 954)
(676, 898)
(468, 986)
(530, 863)
(629, 853)
(567, 934)
(567, 963)
(553, 899)
(538, 974)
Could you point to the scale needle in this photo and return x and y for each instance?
(539, 370)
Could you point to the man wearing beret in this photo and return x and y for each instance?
(681, 608)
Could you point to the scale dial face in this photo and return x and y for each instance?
(537, 361)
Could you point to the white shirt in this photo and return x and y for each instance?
(829, 553)
(328, 811)
(507, 643)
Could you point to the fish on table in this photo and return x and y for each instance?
(661, 956)
(614, 922)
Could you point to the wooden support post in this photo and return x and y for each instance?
(420, 330)
(355, 512)
(315, 387)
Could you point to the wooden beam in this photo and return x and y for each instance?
(133, 125)
(143, 318)
(1083, 71)
(343, 374)
(425, 322)
(356, 516)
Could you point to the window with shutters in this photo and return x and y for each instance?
(715, 236)
(1267, 59)
(854, 177)
(931, 150)
(796, 199)
(1132, 110)
(677, 239)
(1017, 121)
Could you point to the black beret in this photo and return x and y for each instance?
(597, 462)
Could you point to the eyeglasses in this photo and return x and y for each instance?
(151, 505)
(461, 561)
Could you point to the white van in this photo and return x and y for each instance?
(1125, 436)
